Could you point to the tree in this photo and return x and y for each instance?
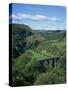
(52, 77)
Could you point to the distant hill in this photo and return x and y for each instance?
(52, 34)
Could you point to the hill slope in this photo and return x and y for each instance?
(23, 38)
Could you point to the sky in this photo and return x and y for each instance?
(44, 17)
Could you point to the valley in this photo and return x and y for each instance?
(29, 46)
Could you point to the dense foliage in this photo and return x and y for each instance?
(29, 46)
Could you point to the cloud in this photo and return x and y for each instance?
(32, 17)
(27, 16)
(13, 16)
(54, 19)
(36, 17)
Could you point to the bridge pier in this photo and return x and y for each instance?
(50, 63)
(55, 63)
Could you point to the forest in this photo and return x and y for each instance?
(33, 46)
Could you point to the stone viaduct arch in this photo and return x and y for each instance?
(51, 62)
